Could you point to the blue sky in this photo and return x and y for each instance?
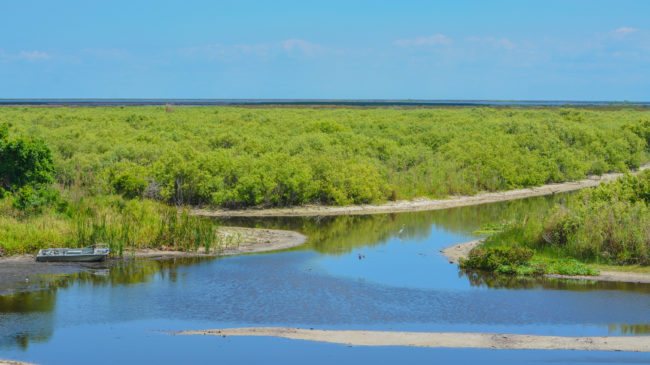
(567, 50)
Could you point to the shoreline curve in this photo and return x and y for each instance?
(418, 204)
(456, 252)
(20, 273)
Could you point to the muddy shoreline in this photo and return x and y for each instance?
(456, 252)
(21, 273)
(420, 204)
(441, 339)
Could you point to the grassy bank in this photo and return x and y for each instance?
(600, 228)
(123, 224)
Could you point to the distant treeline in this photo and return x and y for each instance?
(240, 157)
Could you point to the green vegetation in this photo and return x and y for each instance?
(23, 161)
(33, 214)
(521, 261)
(123, 224)
(608, 224)
(75, 176)
(492, 228)
(240, 157)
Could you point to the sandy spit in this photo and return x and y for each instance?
(461, 250)
(9, 362)
(244, 240)
(442, 339)
(420, 204)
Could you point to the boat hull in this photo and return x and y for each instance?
(72, 258)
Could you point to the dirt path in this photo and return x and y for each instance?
(442, 339)
(415, 205)
(461, 250)
(23, 273)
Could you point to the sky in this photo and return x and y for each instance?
(496, 50)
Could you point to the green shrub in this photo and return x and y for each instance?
(24, 161)
(33, 200)
(496, 258)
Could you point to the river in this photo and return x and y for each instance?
(380, 272)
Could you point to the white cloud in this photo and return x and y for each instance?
(621, 32)
(210, 51)
(305, 47)
(33, 56)
(291, 47)
(433, 40)
(106, 52)
(29, 56)
(497, 43)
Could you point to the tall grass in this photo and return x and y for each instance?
(609, 224)
(122, 224)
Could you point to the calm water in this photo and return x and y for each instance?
(403, 283)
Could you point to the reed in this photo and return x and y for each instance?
(125, 225)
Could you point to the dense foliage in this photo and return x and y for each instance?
(237, 157)
(610, 223)
(33, 214)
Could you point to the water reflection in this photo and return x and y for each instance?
(630, 329)
(36, 306)
(338, 235)
(495, 281)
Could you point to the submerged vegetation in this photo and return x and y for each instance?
(75, 176)
(608, 224)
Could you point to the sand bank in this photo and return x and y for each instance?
(9, 362)
(240, 240)
(442, 339)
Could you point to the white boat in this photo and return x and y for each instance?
(94, 253)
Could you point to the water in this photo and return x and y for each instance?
(403, 283)
(337, 102)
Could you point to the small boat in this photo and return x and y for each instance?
(93, 253)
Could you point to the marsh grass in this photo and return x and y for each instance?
(125, 225)
(603, 227)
